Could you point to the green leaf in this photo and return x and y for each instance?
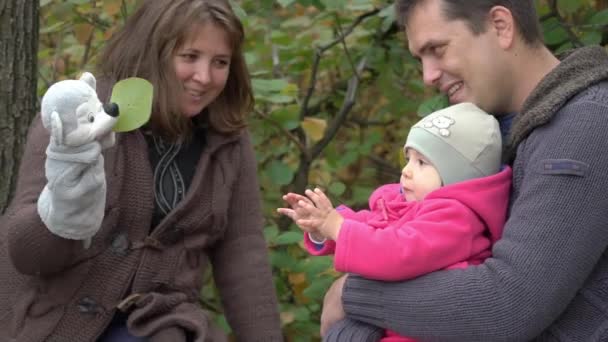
(271, 233)
(433, 104)
(281, 259)
(389, 16)
(554, 33)
(372, 139)
(268, 86)
(53, 28)
(568, 7)
(334, 4)
(317, 288)
(387, 11)
(134, 99)
(302, 314)
(337, 188)
(591, 38)
(360, 5)
(600, 18)
(317, 265)
(287, 116)
(238, 10)
(289, 238)
(251, 58)
(285, 3)
(361, 193)
(298, 22)
(221, 321)
(280, 173)
(280, 37)
(564, 47)
(316, 3)
(348, 158)
(279, 98)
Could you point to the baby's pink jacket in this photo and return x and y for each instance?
(452, 227)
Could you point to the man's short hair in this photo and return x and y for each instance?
(474, 12)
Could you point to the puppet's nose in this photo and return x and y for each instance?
(111, 109)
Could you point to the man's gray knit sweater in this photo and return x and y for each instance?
(548, 277)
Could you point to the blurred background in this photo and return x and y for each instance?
(336, 92)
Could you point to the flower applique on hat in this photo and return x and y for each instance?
(441, 122)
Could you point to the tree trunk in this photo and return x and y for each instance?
(18, 81)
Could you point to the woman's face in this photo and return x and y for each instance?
(202, 65)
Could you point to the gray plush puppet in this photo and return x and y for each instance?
(72, 203)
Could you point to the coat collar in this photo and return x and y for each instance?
(578, 70)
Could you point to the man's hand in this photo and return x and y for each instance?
(333, 311)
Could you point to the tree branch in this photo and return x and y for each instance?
(349, 101)
(317, 59)
(345, 46)
(287, 133)
(571, 35)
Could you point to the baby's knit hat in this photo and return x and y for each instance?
(462, 142)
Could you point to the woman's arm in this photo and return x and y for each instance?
(33, 249)
(241, 263)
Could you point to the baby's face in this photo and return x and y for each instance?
(419, 177)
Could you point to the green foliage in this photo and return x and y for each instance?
(345, 140)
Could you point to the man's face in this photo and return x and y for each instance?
(460, 64)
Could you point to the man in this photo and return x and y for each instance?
(548, 277)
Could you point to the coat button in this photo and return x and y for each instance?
(120, 244)
(172, 236)
(88, 305)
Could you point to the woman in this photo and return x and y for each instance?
(181, 192)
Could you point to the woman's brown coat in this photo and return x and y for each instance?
(51, 289)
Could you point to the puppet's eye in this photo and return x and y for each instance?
(91, 117)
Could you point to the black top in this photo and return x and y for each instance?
(173, 165)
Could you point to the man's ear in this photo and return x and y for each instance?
(56, 128)
(502, 23)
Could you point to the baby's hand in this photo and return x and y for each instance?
(297, 212)
(321, 214)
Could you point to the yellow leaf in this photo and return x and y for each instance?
(83, 32)
(111, 7)
(320, 177)
(401, 156)
(108, 33)
(314, 128)
(297, 278)
(287, 317)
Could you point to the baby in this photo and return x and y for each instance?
(446, 212)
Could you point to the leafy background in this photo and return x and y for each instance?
(336, 92)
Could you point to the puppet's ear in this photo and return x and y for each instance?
(89, 79)
(56, 128)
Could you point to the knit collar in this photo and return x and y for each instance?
(578, 70)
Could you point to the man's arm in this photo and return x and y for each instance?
(555, 236)
(349, 330)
